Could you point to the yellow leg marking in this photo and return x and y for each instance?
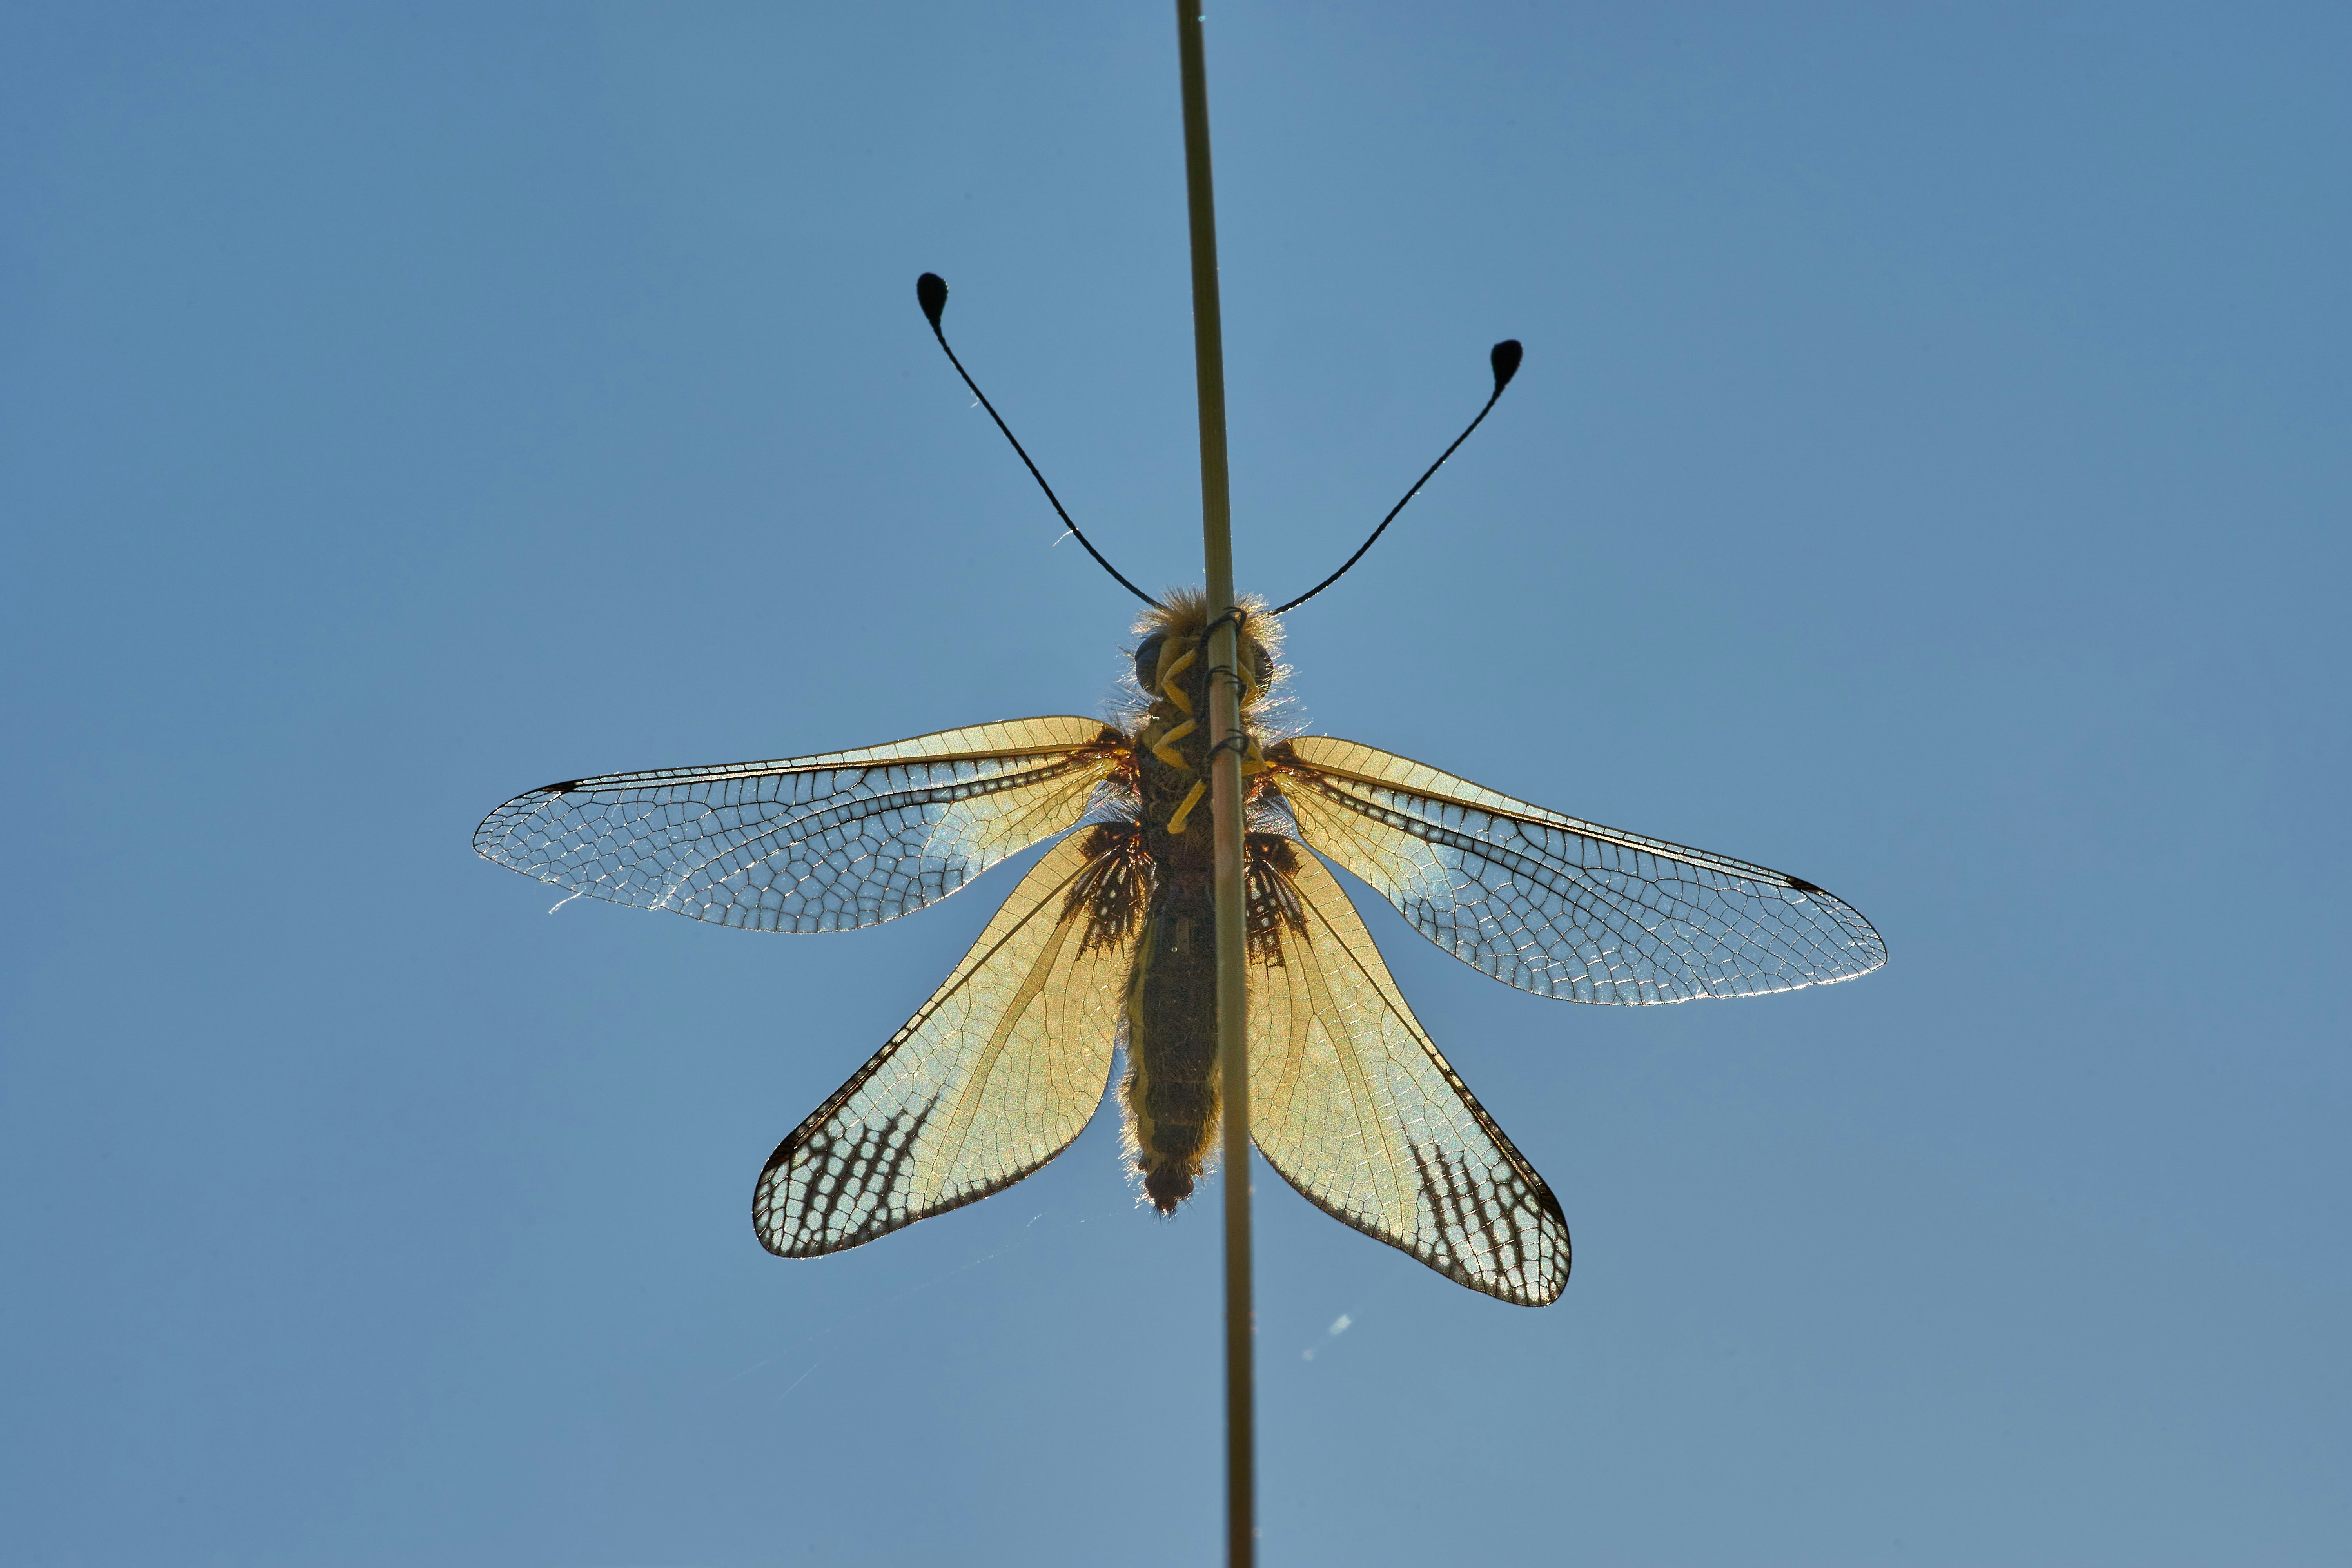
(1192, 798)
(1170, 669)
(1164, 748)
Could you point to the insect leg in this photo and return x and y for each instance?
(1164, 748)
(1192, 798)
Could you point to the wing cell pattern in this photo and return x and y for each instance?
(1558, 906)
(1354, 1106)
(809, 844)
(996, 1075)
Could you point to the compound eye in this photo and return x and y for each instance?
(1147, 663)
(1263, 666)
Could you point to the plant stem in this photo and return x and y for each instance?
(1226, 802)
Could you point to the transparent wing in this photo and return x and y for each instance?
(994, 1077)
(1351, 1102)
(809, 844)
(1560, 907)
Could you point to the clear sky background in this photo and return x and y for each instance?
(1928, 476)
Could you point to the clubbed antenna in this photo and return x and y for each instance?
(931, 293)
(1505, 360)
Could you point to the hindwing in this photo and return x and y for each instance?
(1354, 1105)
(996, 1074)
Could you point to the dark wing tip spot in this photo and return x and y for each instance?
(566, 787)
(1803, 886)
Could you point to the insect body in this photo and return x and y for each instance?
(1171, 1000)
(1111, 935)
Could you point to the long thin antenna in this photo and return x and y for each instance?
(1505, 359)
(931, 293)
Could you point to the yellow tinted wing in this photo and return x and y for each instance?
(809, 844)
(1352, 1104)
(994, 1077)
(1562, 907)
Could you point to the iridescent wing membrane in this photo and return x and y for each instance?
(995, 1076)
(809, 844)
(1353, 1104)
(1561, 907)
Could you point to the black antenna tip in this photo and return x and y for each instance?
(931, 293)
(1504, 357)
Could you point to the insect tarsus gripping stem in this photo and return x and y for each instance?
(1245, 747)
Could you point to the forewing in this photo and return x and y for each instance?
(994, 1077)
(1352, 1104)
(1561, 907)
(809, 844)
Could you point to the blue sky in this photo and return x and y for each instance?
(1928, 476)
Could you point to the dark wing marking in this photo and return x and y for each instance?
(1352, 1104)
(809, 844)
(1560, 907)
(995, 1076)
